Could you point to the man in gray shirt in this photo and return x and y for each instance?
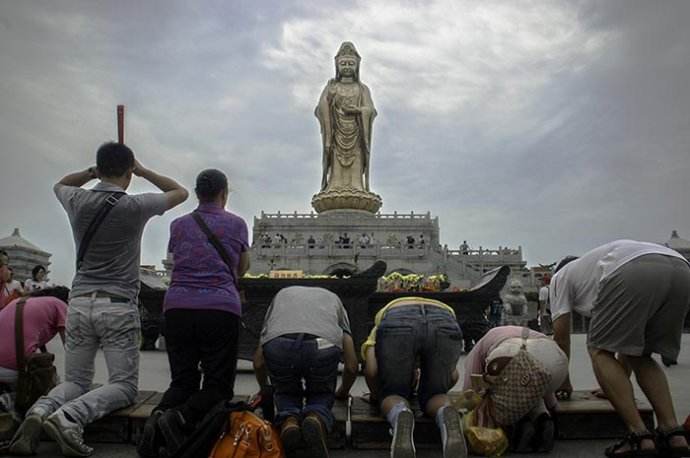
(103, 309)
(306, 333)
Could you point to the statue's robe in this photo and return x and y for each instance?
(339, 140)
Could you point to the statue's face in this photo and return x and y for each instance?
(347, 66)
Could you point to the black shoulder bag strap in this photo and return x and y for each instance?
(108, 205)
(19, 334)
(216, 244)
(226, 259)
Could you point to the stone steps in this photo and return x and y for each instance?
(359, 425)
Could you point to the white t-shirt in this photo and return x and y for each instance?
(575, 286)
(32, 285)
(544, 294)
(14, 285)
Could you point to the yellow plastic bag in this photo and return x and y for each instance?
(483, 441)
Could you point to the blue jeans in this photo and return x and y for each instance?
(303, 376)
(93, 323)
(412, 334)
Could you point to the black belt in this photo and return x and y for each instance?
(297, 335)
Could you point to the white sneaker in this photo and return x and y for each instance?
(68, 435)
(28, 436)
(452, 435)
(402, 445)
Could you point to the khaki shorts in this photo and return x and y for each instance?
(640, 309)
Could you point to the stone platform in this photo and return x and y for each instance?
(359, 425)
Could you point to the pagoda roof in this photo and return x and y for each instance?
(17, 241)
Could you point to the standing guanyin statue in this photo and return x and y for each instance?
(346, 114)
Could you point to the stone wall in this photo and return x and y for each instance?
(312, 243)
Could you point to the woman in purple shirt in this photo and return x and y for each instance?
(202, 315)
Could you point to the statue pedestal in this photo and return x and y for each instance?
(346, 199)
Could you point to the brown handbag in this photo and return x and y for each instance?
(248, 436)
(515, 390)
(36, 373)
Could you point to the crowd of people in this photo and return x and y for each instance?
(11, 288)
(637, 295)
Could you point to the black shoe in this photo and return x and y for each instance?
(314, 435)
(545, 434)
(290, 434)
(522, 437)
(172, 426)
(668, 362)
(151, 437)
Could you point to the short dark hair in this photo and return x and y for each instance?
(114, 159)
(36, 270)
(563, 262)
(60, 292)
(209, 184)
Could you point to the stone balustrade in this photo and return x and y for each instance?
(335, 250)
(508, 255)
(312, 215)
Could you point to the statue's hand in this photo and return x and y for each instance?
(352, 109)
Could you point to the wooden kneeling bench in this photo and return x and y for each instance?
(127, 425)
(585, 416)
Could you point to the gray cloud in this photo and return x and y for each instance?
(552, 125)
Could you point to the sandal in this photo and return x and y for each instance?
(634, 441)
(665, 444)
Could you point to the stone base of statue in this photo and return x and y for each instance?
(346, 198)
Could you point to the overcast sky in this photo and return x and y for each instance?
(554, 125)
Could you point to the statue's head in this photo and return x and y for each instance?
(347, 62)
(515, 287)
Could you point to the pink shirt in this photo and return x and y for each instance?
(475, 363)
(43, 318)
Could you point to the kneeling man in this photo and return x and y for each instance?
(305, 335)
(637, 296)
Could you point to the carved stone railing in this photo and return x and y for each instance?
(335, 250)
(483, 253)
(313, 215)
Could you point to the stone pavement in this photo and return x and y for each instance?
(155, 376)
